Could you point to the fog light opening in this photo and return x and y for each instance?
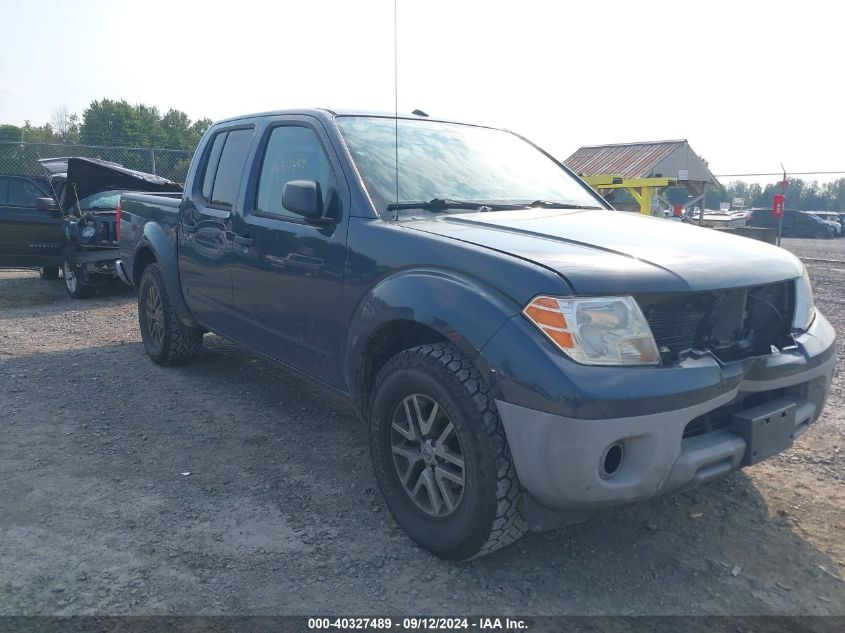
(612, 460)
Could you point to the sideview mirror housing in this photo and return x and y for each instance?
(46, 204)
(304, 197)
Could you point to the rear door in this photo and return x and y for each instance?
(205, 229)
(28, 236)
(288, 273)
(805, 225)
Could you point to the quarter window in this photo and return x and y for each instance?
(292, 153)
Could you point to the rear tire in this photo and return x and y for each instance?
(48, 272)
(167, 340)
(75, 281)
(462, 458)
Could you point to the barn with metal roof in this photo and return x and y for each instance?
(647, 167)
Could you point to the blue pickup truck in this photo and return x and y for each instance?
(522, 353)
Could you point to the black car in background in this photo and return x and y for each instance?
(66, 220)
(795, 223)
(25, 232)
(834, 218)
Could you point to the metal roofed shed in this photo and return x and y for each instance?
(644, 169)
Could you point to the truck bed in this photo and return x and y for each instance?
(137, 209)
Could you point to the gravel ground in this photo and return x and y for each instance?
(230, 487)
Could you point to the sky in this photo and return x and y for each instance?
(750, 84)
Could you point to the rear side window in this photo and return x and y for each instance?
(22, 193)
(293, 153)
(229, 168)
(211, 165)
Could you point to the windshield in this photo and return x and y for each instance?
(101, 200)
(451, 161)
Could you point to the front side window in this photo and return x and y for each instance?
(454, 161)
(293, 153)
(23, 193)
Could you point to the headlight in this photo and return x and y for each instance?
(805, 309)
(89, 231)
(596, 330)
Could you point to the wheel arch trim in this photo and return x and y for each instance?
(462, 310)
(155, 240)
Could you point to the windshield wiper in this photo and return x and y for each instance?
(443, 204)
(546, 204)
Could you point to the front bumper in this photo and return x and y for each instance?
(559, 455)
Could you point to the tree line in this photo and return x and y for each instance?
(114, 128)
(113, 122)
(800, 194)
(117, 123)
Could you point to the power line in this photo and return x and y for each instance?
(778, 173)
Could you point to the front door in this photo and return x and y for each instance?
(28, 236)
(205, 229)
(288, 273)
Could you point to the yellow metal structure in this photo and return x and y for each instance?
(642, 190)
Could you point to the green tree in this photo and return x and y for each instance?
(10, 132)
(112, 122)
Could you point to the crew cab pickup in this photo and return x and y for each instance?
(66, 220)
(522, 353)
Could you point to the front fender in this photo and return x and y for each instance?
(464, 310)
(162, 246)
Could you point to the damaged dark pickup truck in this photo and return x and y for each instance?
(67, 220)
(522, 353)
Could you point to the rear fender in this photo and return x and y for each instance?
(155, 240)
(463, 310)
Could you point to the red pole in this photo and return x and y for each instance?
(783, 184)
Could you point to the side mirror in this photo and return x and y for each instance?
(46, 204)
(303, 197)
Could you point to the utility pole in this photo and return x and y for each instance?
(783, 184)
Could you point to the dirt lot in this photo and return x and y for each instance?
(228, 486)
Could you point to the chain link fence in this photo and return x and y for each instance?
(21, 159)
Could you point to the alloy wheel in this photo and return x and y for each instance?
(154, 314)
(427, 455)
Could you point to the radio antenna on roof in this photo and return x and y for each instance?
(396, 96)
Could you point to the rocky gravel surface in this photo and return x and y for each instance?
(230, 487)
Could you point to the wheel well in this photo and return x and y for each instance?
(143, 258)
(384, 344)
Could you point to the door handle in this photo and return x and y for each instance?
(244, 240)
(190, 228)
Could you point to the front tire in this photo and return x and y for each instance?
(48, 272)
(167, 340)
(440, 454)
(75, 281)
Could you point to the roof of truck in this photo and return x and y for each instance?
(333, 112)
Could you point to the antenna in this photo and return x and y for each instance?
(396, 95)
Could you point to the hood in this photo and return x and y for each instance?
(615, 252)
(91, 175)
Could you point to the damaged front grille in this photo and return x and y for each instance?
(732, 324)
